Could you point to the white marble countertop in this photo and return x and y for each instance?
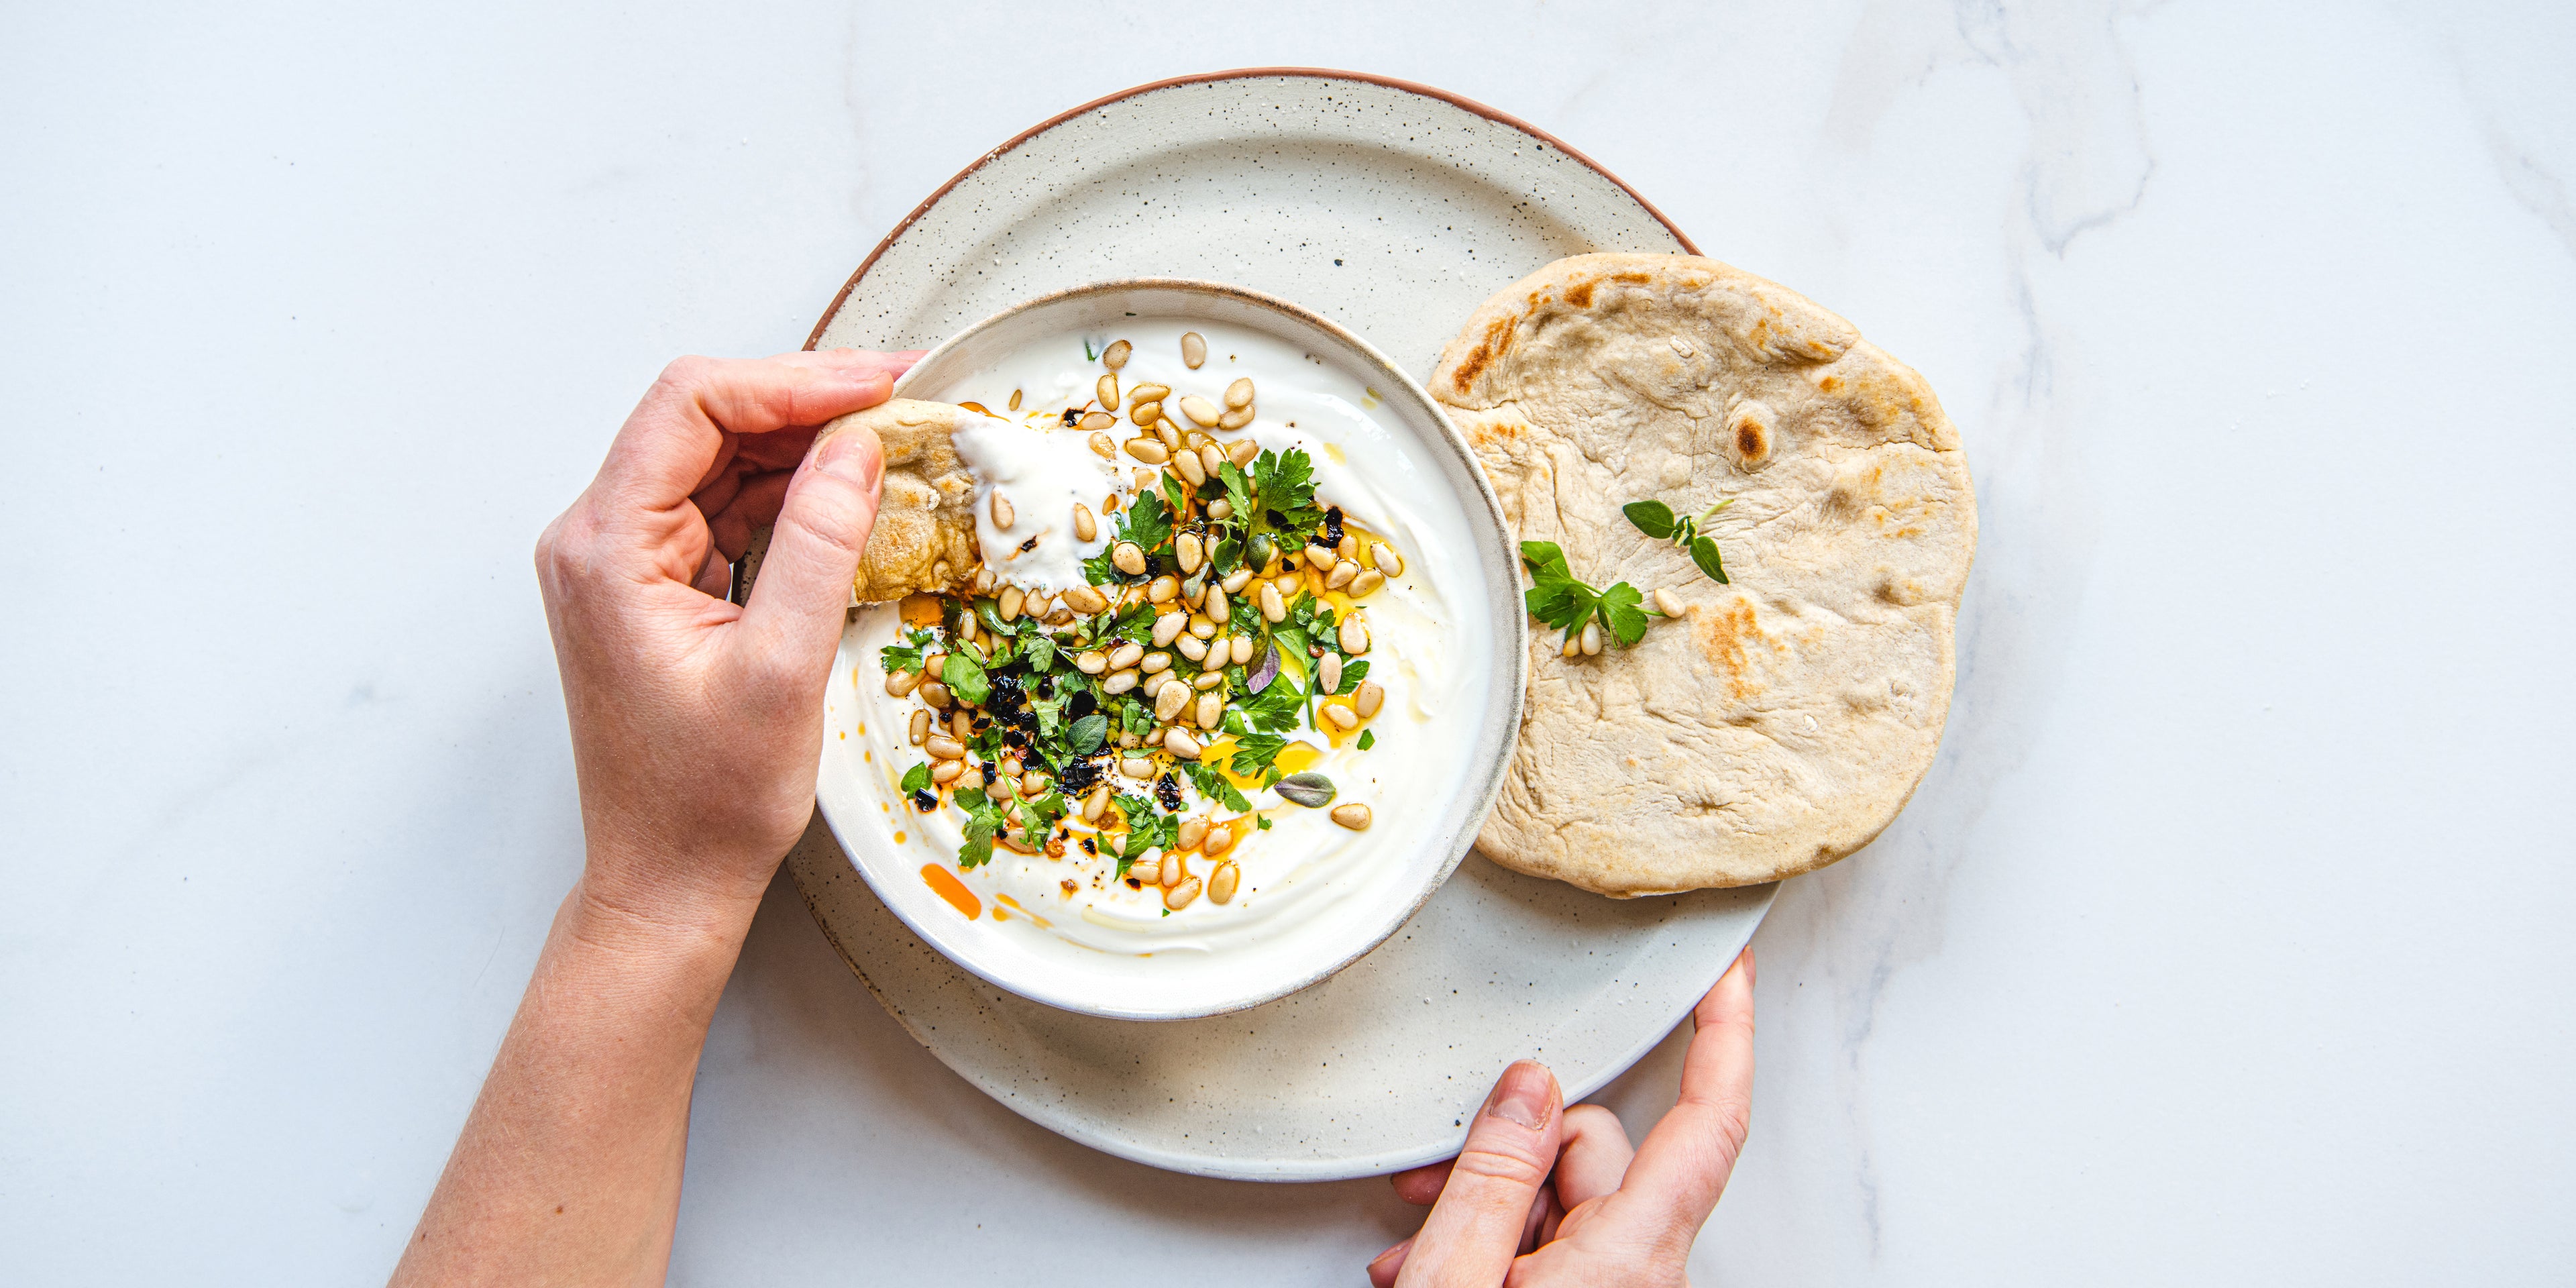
(2226, 943)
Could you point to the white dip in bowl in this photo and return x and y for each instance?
(1084, 923)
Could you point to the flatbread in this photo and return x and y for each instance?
(1782, 722)
(924, 539)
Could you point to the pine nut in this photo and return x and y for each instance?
(1085, 527)
(1100, 443)
(1085, 600)
(1170, 433)
(1573, 645)
(900, 684)
(1096, 422)
(1186, 464)
(1011, 766)
(1096, 804)
(1192, 647)
(1148, 450)
(920, 727)
(1354, 636)
(1125, 655)
(1163, 589)
(1144, 480)
(1107, 389)
(934, 693)
(1093, 662)
(1367, 583)
(1330, 674)
(1036, 604)
(1273, 608)
(1146, 413)
(946, 771)
(944, 747)
(1003, 515)
(1235, 581)
(1243, 454)
(1342, 718)
(1215, 607)
(1208, 681)
(1592, 639)
(1342, 575)
(1187, 547)
(970, 780)
(1015, 400)
(1242, 650)
(1129, 557)
(1148, 392)
(1321, 559)
(1388, 561)
(1222, 885)
(1173, 870)
(1181, 744)
(1239, 394)
(967, 628)
(1220, 508)
(1202, 627)
(1213, 461)
(960, 725)
(1219, 840)
(1168, 627)
(1010, 603)
(1167, 702)
(1236, 419)
(1347, 549)
(1115, 356)
(1182, 895)
(1370, 697)
(1136, 767)
(1200, 411)
(1033, 783)
(1118, 682)
(1192, 831)
(1193, 349)
(1211, 706)
(1155, 662)
(1353, 816)
(1667, 603)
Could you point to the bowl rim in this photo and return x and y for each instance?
(1511, 645)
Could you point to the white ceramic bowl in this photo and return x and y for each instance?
(1424, 838)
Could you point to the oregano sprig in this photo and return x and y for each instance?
(1657, 520)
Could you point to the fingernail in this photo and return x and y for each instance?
(844, 456)
(1526, 1095)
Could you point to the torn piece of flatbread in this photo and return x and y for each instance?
(1782, 722)
(924, 539)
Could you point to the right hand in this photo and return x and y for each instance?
(1547, 1195)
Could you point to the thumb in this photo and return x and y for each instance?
(1475, 1230)
(793, 621)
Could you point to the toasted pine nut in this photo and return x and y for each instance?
(1181, 744)
(1244, 453)
(1144, 480)
(1667, 603)
(920, 727)
(1573, 645)
(1239, 394)
(961, 726)
(944, 747)
(1085, 600)
(1033, 783)
(1354, 816)
(1147, 450)
(1235, 581)
(1388, 561)
(1015, 400)
(1170, 433)
(1010, 766)
(1192, 831)
(1200, 411)
(1236, 419)
(1168, 627)
(1173, 870)
(970, 780)
(1095, 422)
(1347, 549)
(1219, 840)
(1342, 718)
(1213, 461)
(1370, 697)
(1009, 606)
(1100, 443)
(1118, 682)
(1107, 389)
(1211, 706)
(1096, 804)
(1187, 547)
(1221, 886)
(1093, 662)
(1136, 767)
(1125, 655)
(1208, 681)
(1182, 895)
(900, 684)
(1202, 627)
(1193, 349)
(946, 771)
(1163, 589)
(1354, 635)
(1128, 558)
(1330, 674)
(1186, 464)
(967, 628)
(1273, 608)
(1149, 392)
(1003, 515)
(1366, 583)
(934, 693)
(1036, 604)
(1220, 508)
(1192, 647)
(1342, 575)
(1146, 413)
(1242, 650)
(1153, 662)
(1321, 558)
(1592, 639)
(1167, 702)
(1115, 356)
(984, 581)
(1216, 608)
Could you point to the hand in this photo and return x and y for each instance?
(697, 724)
(1609, 1214)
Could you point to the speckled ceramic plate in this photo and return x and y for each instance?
(1394, 210)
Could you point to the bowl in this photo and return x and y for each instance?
(1413, 844)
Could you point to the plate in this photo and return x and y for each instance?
(1332, 912)
(1394, 210)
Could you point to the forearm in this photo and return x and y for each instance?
(568, 1170)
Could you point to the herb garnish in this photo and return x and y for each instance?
(1657, 520)
(1564, 603)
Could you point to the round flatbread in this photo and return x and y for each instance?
(924, 539)
(1783, 719)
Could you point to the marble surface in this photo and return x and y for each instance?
(2225, 943)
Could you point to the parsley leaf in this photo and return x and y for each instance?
(1254, 752)
(1368, 739)
(965, 678)
(1213, 785)
(1557, 599)
(1275, 709)
(906, 656)
(916, 779)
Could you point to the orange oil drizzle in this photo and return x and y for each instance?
(952, 890)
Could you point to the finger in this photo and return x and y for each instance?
(754, 506)
(1541, 1204)
(1595, 1156)
(1421, 1186)
(673, 440)
(794, 617)
(1543, 1221)
(1682, 1167)
(1389, 1264)
(1476, 1228)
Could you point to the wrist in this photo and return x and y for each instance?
(662, 903)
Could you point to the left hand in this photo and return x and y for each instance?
(696, 723)
(1546, 1195)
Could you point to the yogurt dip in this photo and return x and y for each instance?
(1308, 604)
